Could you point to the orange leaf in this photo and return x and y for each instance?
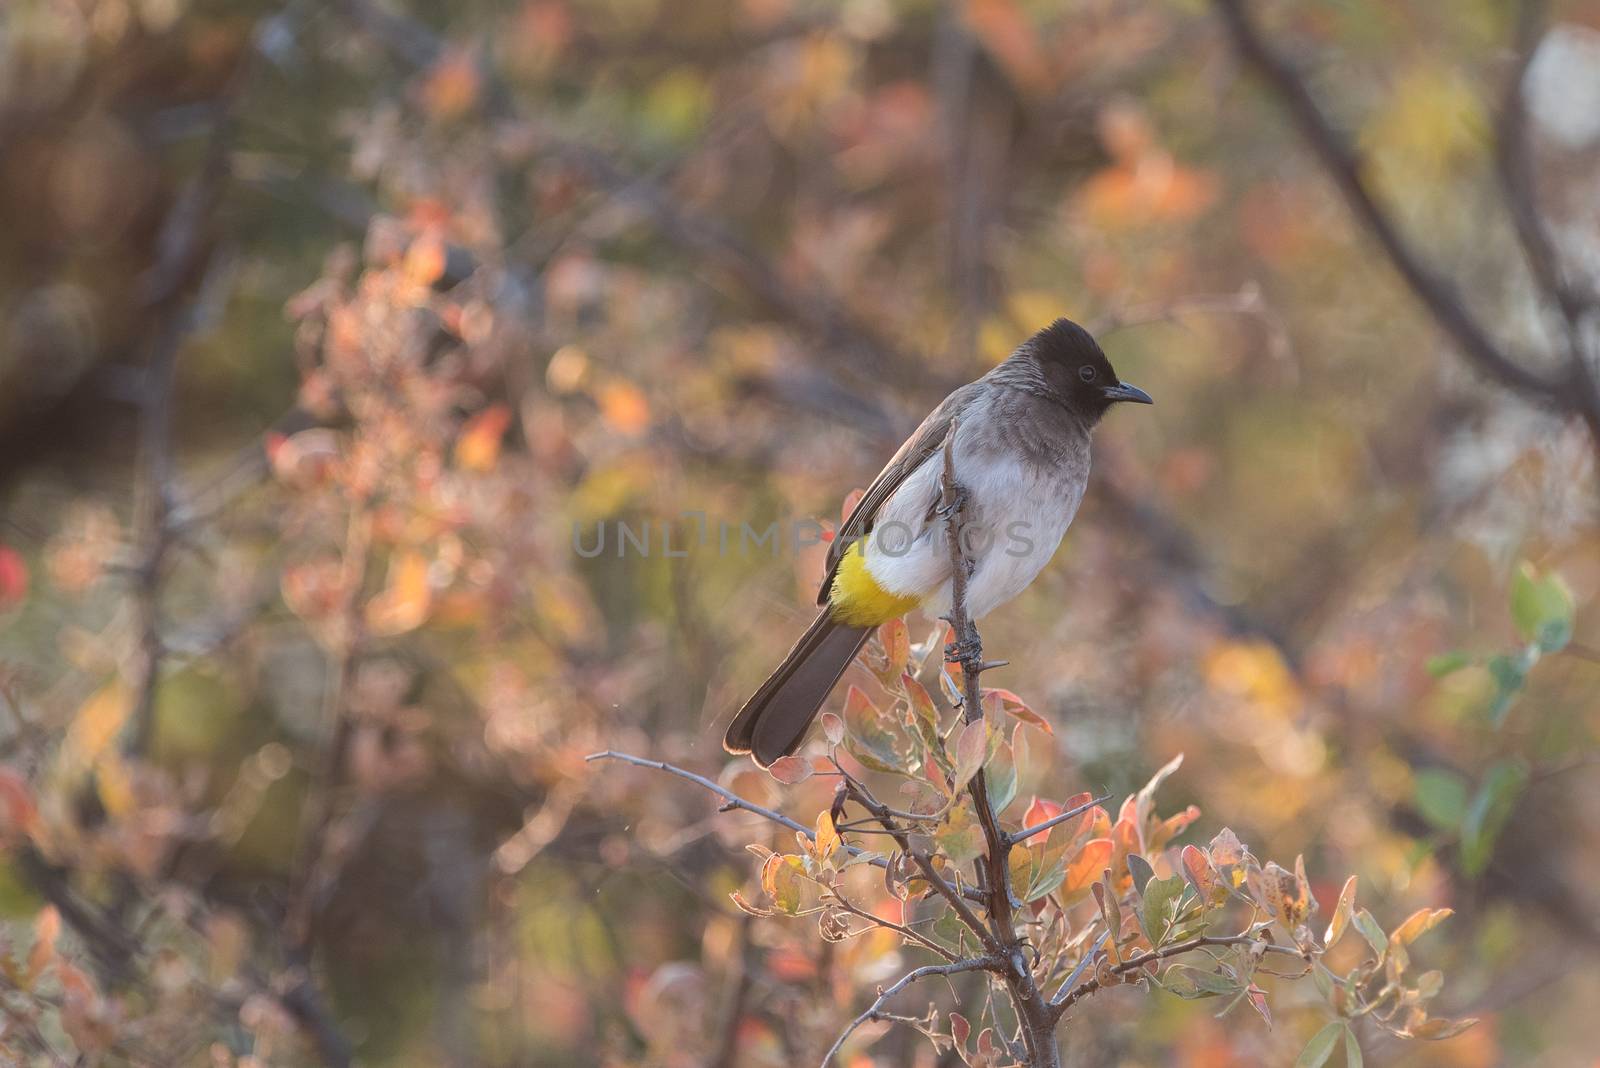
(478, 446)
(46, 929)
(624, 407)
(896, 639)
(425, 260)
(404, 603)
(1007, 35)
(1083, 868)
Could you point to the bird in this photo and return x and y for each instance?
(1020, 453)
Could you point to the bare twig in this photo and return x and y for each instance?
(730, 799)
(901, 929)
(876, 1011)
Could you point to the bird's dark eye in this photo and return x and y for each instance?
(1087, 373)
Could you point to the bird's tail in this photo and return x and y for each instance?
(773, 723)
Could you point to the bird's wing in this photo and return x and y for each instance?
(923, 443)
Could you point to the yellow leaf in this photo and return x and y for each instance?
(827, 837)
(1418, 924)
(115, 785)
(98, 721)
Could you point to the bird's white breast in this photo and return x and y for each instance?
(1017, 513)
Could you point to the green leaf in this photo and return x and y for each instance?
(1372, 932)
(1141, 871)
(1447, 663)
(1441, 797)
(1509, 674)
(1352, 1049)
(1000, 776)
(971, 748)
(961, 838)
(1320, 1048)
(1048, 879)
(1490, 809)
(1541, 607)
(1191, 983)
(1161, 898)
(867, 739)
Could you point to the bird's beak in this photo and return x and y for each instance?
(1122, 391)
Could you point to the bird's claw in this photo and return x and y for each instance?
(964, 650)
(953, 506)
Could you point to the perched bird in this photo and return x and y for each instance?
(1020, 453)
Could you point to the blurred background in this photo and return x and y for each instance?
(330, 333)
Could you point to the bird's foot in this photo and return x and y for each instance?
(964, 650)
(952, 507)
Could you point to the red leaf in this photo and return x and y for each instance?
(13, 578)
(790, 770)
(1017, 707)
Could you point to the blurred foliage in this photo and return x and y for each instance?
(452, 289)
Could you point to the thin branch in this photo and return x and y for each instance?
(901, 929)
(322, 802)
(1070, 995)
(876, 1011)
(1345, 168)
(957, 900)
(730, 799)
(1039, 828)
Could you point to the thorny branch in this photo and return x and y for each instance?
(1033, 1015)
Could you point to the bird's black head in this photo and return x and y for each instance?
(1078, 372)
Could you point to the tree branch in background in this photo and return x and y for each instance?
(1570, 391)
(1514, 166)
